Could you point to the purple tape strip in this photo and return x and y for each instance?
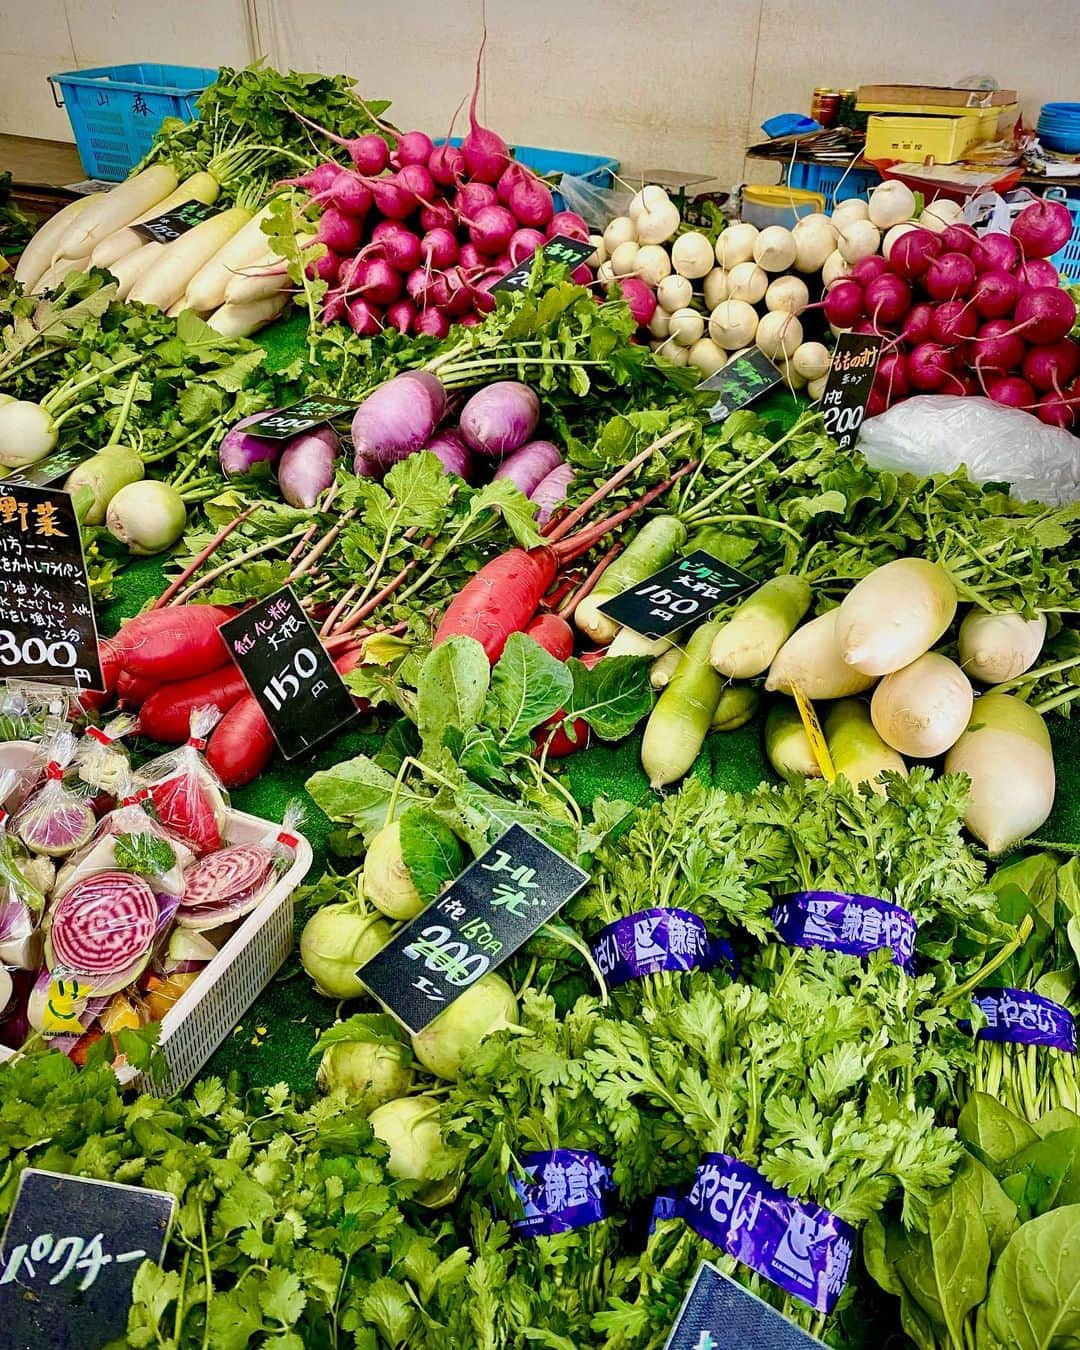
(562, 1190)
(799, 1246)
(653, 940)
(1025, 1018)
(843, 922)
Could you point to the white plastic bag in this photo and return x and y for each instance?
(595, 205)
(936, 433)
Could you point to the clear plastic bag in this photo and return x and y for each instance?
(228, 884)
(101, 762)
(185, 791)
(595, 205)
(54, 820)
(938, 433)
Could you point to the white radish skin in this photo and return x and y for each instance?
(38, 254)
(675, 292)
(774, 249)
(736, 244)
(787, 293)
(662, 669)
(671, 351)
(687, 327)
(714, 288)
(628, 643)
(658, 219)
(604, 273)
(747, 281)
(707, 356)
(999, 647)
(174, 311)
(57, 272)
(660, 323)
(834, 267)
(131, 267)
(647, 199)
(172, 272)
(121, 206)
(599, 253)
(940, 214)
(778, 335)
(816, 388)
(815, 239)
(811, 659)
(692, 255)
(732, 324)
(891, 203)
(623, 260)
(243, 320)
(858, 239)
(652, 264)
(923, 709)
(1005, 751)
(747, 644)
(621, 230)
(812, 361)
(27, 433)
(734, 355)
(894, 615)
(850, 209)
(893, 235)
(200, 187)
(792, 378)
(246, 248)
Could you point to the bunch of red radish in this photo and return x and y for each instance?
(416, 235)
(965, 314)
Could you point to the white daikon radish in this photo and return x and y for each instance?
(200, 187)
(732, 324)
(736, 244)
(923, 709)
(894, 234)
(941, 213)
(858, 239)
(687, 326)
(811, 659)
(787, 293)
(812, 360)
(714, 287)
(778, 334)
(707, 356)
(599, 253)
(243, 320)
(774, 249)
(658, 219)
(652, 264)
(628, 643)
(1006, 753)
(245, 249)
(621, 230)
(258, 284)
(172, 272)
(747, 281)
(662, 669)
(174, 311)
(746, 645)
(660, 323)
(891, 203)
(692, 255)
(37, 256)
(623, 258)
(132, 266)
(855, 748)
(675, 292)
(892, 616)
(999, 647)
(57, 272)
(850, 209)
(816, 388)
(815, 239)
(834, 267)
(125, 203)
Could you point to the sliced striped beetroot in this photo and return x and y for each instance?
(230, 875)
(103, 924)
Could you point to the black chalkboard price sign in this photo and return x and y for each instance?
(684, 592)
(719, 1314)
(560, 249)
(171, 225)
(50, 469)
(309, 412)
(47, 627)
(847, 389)
(288, 670)
(739, 383)
(69, 1256)
(478, 922)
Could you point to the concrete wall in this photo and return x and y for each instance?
(683, 87)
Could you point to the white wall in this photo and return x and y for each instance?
(614, 76)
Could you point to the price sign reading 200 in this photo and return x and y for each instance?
(286, 683)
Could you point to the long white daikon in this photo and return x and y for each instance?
(131, 267)
(200, 187)
(892, 616)
(923, 709)
(747, 643)
(1006, 753)
(125, 203)
(167, 280)
(628, 643)
(57, 272)
(259, 284)
(811, 659)
(855, 748)
(242, 320)
(206, 289)
(38, 254)
(1001, 646)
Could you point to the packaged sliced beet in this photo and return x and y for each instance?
(230, 883)
(185, 791)
(24, 884)
(53, 820)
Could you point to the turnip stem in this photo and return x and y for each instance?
(335, 613)
(196, 562)
(698, 510)
(586, 587)
(760, 520)
(66, 391)
(216, 572)
(361, 611)
(320, 548)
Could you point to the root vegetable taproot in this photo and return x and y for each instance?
(178, 642)
(735, 244)
(242, 744)
(200, 187)
(166, 715)
(894, 615)
(856, 749)
(653, 547)
(747, 643)
(1000, 646)
(922, 709)
(664, 667)
(811, 659)
(679, 723)
(738, 705)
(37, 256)
(787, 746)
(123, 204)
(176, 266)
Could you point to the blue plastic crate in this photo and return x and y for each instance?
(825, 178)
(115, 110)
(596, 169)
(1067, 259)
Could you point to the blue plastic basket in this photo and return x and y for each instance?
(595, 169)
(115, 110)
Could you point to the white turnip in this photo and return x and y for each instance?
(815, 239)
(747, 281)
(858, 239)
(658, 218)
(939, 214)
(620, 230)
(732, 324)
(891, 203)
(692, 255)
(787, 293)
(675, 292)
(835, 268)
(778, 334)
(686, 327)
(775, 249)
(714, 287)
(848, 211)
(707, 356)
(624, 257)
(736, 244)
(652, 264)
(812, 360)
(999, 646)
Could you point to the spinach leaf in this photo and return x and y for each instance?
(1034, 1301)
(992, 1132)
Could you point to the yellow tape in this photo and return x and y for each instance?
(814, 734)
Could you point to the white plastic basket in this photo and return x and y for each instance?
(222, 993)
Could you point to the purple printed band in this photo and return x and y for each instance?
(841, 922)
(653, 940)
(1025, 1018)
(799, 1246)
(562, 1190)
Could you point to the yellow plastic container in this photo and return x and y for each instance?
(766, 204)
(945, 139)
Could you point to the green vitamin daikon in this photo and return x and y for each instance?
(787, 746)
(923, 709)
(892, 616)
(856, 749)
(738, 705)
(679, 723)
(811, 659)
(1001, 646)
(628, 643)
(1005, 751)
(750, 639)
(200, 187)
(664, 667)
(653, 547)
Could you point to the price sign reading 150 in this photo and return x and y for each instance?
(286, 683)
